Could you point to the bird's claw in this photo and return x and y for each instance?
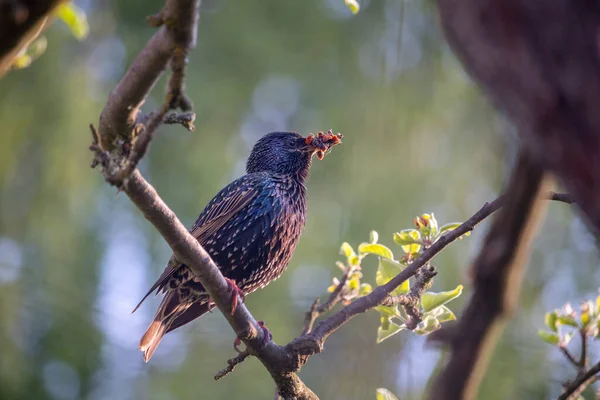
(235, 292)
(267, 336)
(266, 333)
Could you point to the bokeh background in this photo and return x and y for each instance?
(75, 258)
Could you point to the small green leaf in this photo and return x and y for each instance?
(388, 330)
(549, 337)
(30, 54)
(377, 249)
(353, 6)
(384, 394)
(431, 300)
(388, 269)
(585, 318)
(449, 227)
(387, 312)
(373, 237)
(409, 239)
(365, 289)
(75, 19)
(346, 250)
(385, 322)
(550, 319)
(407, 236)
(442, 314)
(428, 325)
(566, 320)
(433, 224)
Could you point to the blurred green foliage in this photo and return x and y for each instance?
(75, 258)
(72, 16)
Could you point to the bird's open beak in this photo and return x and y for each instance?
(321, 143)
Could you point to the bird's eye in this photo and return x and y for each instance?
(291, 142)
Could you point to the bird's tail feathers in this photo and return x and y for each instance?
(169, 309)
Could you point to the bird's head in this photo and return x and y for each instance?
(288, 152)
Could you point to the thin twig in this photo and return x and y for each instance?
(143, 140)
(569, 356)
(316, 310)
(582, 364)
(186, 119)
(231, 364)
(176, 97)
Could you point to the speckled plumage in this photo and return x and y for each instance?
(250, 229)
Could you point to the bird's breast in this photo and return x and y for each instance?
(282, 232)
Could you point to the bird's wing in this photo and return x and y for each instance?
(220, 210)
(224, 206)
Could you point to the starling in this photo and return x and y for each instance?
(250, 229)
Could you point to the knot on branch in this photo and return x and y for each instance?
(411, 301)
(113, 164)
(301, 348)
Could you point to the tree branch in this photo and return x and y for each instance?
(312, 342)
(186, 119)
(171, 43)
(231, 364)
(316, 310)
(379, 295)
(574, 389)
(583, 359)
(569, 356)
